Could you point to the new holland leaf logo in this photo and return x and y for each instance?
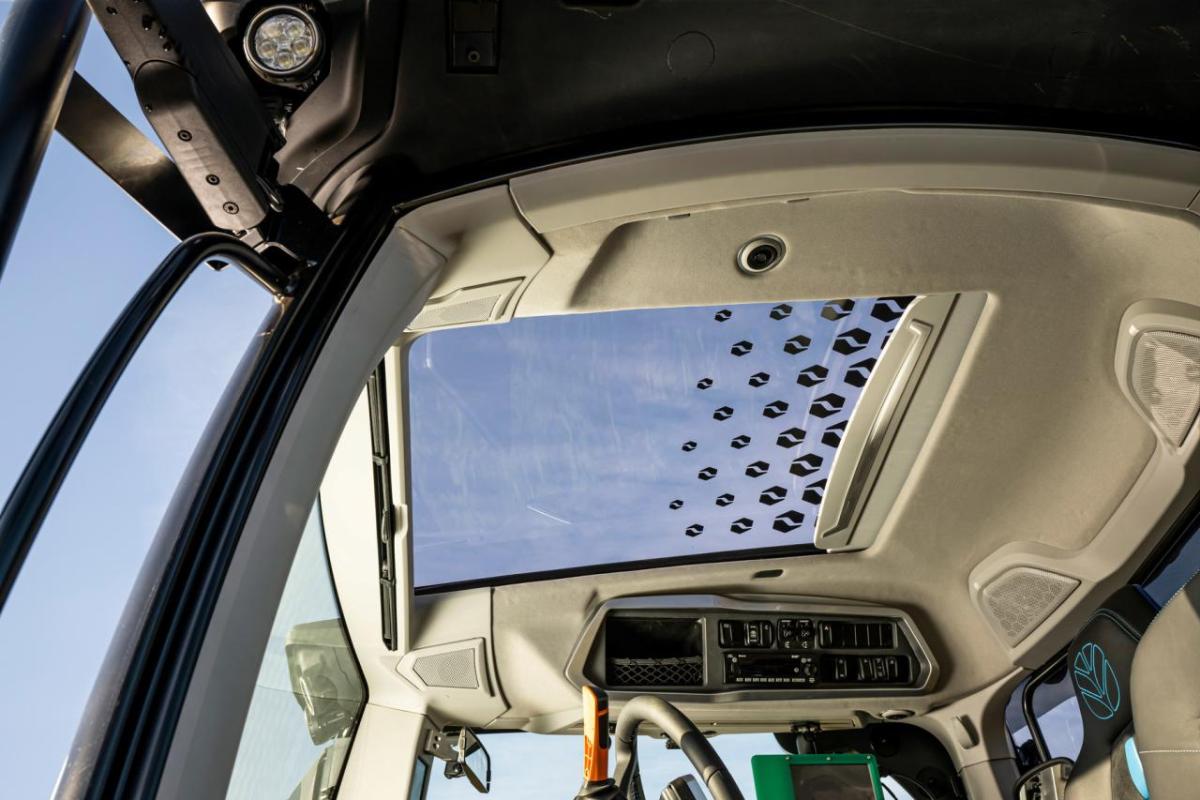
(1097, 681)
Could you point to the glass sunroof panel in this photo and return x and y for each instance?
(591, 440)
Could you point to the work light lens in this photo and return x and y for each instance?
(285, 42)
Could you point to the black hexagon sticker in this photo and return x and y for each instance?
(688, 447)
(797, 344)
(771, 496)
(889, 309)
(741, 348)
(833, 434)
(827, 405)
(806, 465)
(757, 469)
(788, 521)
(742, 525)
(858, 372)
(851, 341)
(694, 530)
(811, 376)
(814, 492)
(738, 442)
(791, 437)
(707, 474)
(723, 413)
(724, 499)
(676, 505)
(781, 311)
(759, 379)
(837, 309)
(775, 410)
(723, 315)
(704, 383)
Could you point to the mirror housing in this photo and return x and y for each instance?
(685, 787)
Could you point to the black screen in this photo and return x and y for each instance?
(832, 782)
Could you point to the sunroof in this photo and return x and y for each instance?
(586, 441)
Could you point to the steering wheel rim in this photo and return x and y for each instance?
(680, 730)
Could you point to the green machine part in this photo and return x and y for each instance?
(774, 777)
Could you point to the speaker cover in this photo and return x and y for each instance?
(454, 669)
(1165, 379)
(1021, 598)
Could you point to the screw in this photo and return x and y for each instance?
(212, 180)
(230, 208)
(473, 56)
(185, 136)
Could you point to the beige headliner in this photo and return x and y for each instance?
(1034, 452)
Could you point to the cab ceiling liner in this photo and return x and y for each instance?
(578, 79)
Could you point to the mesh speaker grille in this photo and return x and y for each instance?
(435, 316)
(685, 671)
(452, 670)
(1165, 378)
(1021, 598)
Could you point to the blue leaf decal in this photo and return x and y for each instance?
(1096, 681)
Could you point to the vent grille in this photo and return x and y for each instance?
(1021, 599)
(453, 670)
(1166, 380)
(684, 671)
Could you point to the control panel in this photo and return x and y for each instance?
(739, 647)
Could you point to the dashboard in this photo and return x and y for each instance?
(723, 648)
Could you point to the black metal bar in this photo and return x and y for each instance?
(130, 159)
(38, 47)
(385, 511)
(39, 483)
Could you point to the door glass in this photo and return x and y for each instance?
(309, 693)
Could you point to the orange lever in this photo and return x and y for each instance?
(595, 735)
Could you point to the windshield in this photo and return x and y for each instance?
(594, 441)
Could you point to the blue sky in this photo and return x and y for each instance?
(82, 250)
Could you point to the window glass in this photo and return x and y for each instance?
(1057, 712)
(309, 693)
(585, 440)
(529, 765)
(1177, 570)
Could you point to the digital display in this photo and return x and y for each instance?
(832, 782)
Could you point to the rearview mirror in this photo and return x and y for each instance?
(469, 759)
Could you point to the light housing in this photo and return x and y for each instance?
(283, 43)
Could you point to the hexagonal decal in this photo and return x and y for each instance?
(811, 376)
(694, 530)
(797, 344)
(742, 525)
(775, 410)
(704, 383)
(741, 348)
(806, 465)
(738, 442)
(723, 413)
(851, 341)
(759, 379)
(837, 309)
(889, 309)
(833, 434)
(788, 521)
(723, 315)
(781, 311)
(771, 496)
(688, 447)
(757, 469)
(791, 437)
(724, 499)
(857, 373)
(707, 474)
(676, 505)
(827, 405)
(814, 492)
